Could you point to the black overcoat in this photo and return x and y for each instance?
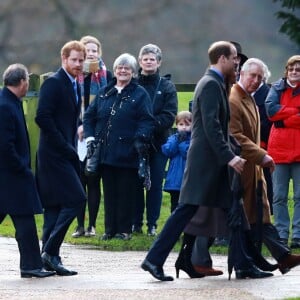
(18, 189)
(164, 101)
(57, 160)
(206, 178)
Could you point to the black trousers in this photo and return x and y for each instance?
(27, 239)
(271, 239)
(120, 187)
(57, 220)
(200, 254)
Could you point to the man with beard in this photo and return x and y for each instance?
(208, 157)
(61, 192)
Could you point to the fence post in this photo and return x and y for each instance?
(30, 102)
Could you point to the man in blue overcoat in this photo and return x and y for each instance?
(19, 198)
(61, 192)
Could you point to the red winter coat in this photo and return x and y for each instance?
(283, 108)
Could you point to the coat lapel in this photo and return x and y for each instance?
(70, 90)
(249, 105)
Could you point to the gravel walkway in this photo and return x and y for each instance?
(117, 275)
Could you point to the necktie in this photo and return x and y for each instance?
(75, 90)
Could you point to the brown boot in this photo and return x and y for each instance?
(207, 271)
(288, 262)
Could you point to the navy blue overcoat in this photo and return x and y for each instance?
(17, 185)
(57, 159)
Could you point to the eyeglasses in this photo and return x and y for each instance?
(122, 67)
(291, 69)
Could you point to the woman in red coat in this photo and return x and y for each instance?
(283, 107)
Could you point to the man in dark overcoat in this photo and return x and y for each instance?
(61, 192)
(206, 178)
(19, 197)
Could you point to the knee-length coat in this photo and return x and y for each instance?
(57, 160)
(206, 177)
(17, 185)
(245, 127)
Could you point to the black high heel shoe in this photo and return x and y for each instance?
(183, 261)
(252, 272)
(182, 264)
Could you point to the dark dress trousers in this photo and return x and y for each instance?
(59, 185)
(19, 198)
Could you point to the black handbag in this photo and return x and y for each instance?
(92, 166)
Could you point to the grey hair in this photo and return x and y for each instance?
(128, 60)
(151, 48)
(267, 73)
(255, 61)
(14, 73)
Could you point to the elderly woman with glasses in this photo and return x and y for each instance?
(283, 108)
(120, 119)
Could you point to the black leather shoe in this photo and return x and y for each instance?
(39, 273)
(123, 236)
(156, 271)
(137, 229)
(151, 231)
(106, 237)
(252, 272)
(285, 242)
(53, 263)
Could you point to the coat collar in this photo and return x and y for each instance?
(247, 101)
(69, 84)
(213, 73)
(9, 94)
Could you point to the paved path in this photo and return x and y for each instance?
(117, 275)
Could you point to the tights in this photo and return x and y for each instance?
(91, 185)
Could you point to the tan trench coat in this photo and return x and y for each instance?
(245, 127)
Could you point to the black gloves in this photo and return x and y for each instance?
(141, 147)
(91, 146)
(182, 136)
(279, 124)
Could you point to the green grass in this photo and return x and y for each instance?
(183, 100)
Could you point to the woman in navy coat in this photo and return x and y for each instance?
(121, 118)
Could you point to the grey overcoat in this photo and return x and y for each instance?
(206, 177)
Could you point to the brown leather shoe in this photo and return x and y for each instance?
(207, 271)
(288, 262)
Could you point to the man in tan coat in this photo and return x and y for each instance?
(245, 127)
